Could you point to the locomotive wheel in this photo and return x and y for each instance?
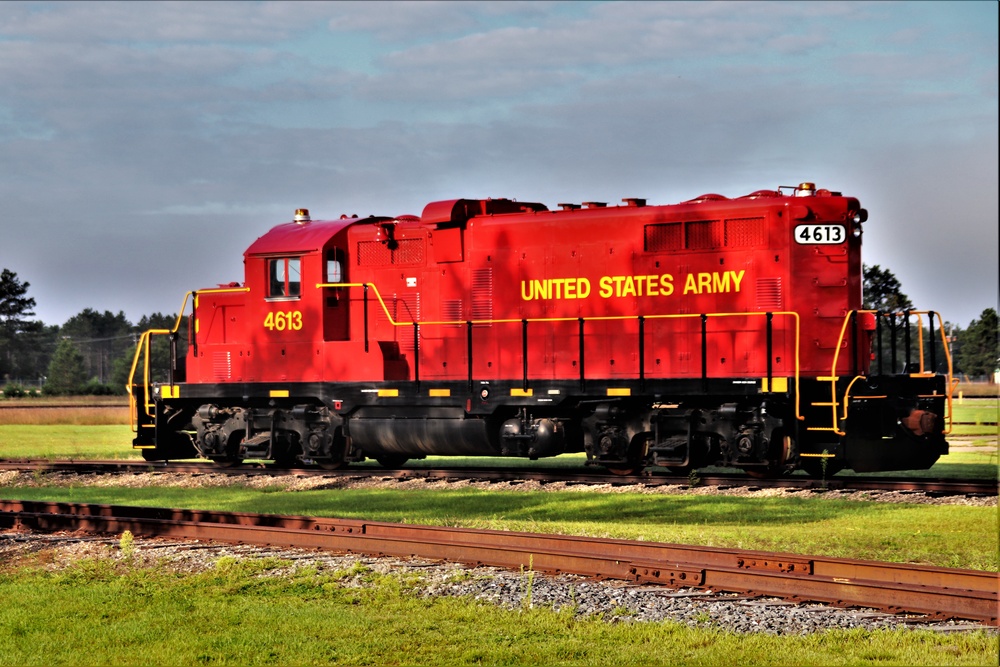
(330, 464)
(774, 468)
(227, 463)
(633, 463)
(392, 461)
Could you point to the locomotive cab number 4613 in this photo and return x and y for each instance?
(284, 321)
(822, 234)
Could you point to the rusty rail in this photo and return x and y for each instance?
(893, 587)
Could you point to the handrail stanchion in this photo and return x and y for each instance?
(416, 354)
(704, 352)
(468, 345)
(878, 338)
(770, 351)
(906, 339)
(892, 332)
(854, 340)
(930, 338)
(365, 309)
(524, 351)
(642, 353)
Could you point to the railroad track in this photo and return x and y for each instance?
(891, 587)
(973, 487)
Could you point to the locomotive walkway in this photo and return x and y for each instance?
(892, 587)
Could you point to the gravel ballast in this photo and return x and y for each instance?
(611, 601)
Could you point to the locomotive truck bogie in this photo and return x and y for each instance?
(712, 332)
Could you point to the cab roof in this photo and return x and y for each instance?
(295, 238)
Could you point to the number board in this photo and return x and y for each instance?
(820, 234)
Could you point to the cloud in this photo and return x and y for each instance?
(144, 23)
(145, 145)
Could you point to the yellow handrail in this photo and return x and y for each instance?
(142, 350)
(143, 346)
(598, 318)
(836, 358)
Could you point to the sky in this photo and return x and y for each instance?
(145, 146)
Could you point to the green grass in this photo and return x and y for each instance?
(983, 413)
(66, 441)
(944, 535)
(978, 410)
(100, 612)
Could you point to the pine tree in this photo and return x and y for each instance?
(15, 309)
(979, 345)
(882, 291)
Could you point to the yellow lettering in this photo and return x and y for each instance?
(690, 285)
(720, 284)
(618, 284)
(281, 321)
(605, 284)
(737, 279)
(651, 285)
(704, 283)
(629, 289)
(529, 295)
(667, 284)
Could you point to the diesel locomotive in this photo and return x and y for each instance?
(717, 331)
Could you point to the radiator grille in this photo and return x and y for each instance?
(745, 232)
(662, 238)
(375, 253)
(451, 310)
(769, 297)
(482, 295)
(704, 234)
(222, 365)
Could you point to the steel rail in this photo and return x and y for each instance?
(892, 587)
(977, 487)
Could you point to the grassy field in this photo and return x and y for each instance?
(110, 612)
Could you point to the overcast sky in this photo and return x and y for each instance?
(145, 145)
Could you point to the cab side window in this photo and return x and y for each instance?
(335, 265)
(284, 279)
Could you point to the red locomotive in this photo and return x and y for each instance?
(716, 331)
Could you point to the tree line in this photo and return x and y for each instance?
(92, 352)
